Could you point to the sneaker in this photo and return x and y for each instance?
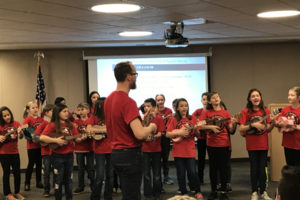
(219, 187)
(178, 191)
(223, 196)
(228, 188)
(198, 196)
(265, 196)
(19, 196)
(254, 196)
(168, 181)
(27, 187)
(10, 197)
(46, 194)
(212, 196)
(78, 190)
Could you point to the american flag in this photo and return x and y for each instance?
(40, 89)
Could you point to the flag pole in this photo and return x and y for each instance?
(40, 92)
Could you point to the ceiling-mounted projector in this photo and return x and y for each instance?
(174, 37)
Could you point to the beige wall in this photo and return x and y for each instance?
(64, 75)
(272, 68)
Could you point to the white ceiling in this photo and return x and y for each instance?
(27, 24)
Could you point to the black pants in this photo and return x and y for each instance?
(152, 184)
(128, 166)
(34, 157)
(187, 166)
(218, 163)
(13, 161)
(292, 156)
(165, 151)
(201, 146)
(258, 162)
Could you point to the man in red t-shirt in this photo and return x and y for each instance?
(125, 130)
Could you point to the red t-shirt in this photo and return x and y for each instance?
(45, 150)
(101, 146)
(166, 113)
(197, 114)
(34, 123)
(10, 146)
(186, 147)
(86, 145)
(217, 139)
(120, 110)
(291, 139)
(155, 146)
(65, 149)
(255, 142)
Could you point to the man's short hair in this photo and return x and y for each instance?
(289, 185)
(121, 70)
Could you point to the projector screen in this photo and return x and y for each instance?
(183, 76)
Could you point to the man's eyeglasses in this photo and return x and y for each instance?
(135, 74)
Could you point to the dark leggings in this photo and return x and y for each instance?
(13, 161)
(292, 156)
(258, 162)
(34, 157)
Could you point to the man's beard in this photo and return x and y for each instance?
(133, 85)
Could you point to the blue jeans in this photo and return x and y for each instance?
(48, 168)
(89, 166)
(63, 172)
(151, 160)
(128, 165)
(258, 163)
(103, 169)
(188, 165)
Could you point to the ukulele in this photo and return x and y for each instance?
(288, 125)
(6, 136)
(28, 133)
(255, 131)
(65, 137)
(97, 136)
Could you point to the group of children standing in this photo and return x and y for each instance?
(212, 125)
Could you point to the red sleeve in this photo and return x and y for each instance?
(130, 112)
(243, 118)
(16, 124)
(74, 130)
(50, 128)
(40, 128)
(172, 124)
(203, 115)
(27, 120)
(268, 120)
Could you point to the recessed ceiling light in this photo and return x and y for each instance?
(116, 8)
(135, 33)
(281, 13)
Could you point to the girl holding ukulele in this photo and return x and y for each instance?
(184, 151)
(256, 141)
(9, 153)
(218, 142)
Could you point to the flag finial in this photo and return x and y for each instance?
(39, 55)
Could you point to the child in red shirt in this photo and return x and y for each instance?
(184, 151)
(102, 152)
(84, 150)
(92, 98)
(257, 143)
(32, 119)
(46, 151)
(291, 136)
(9, 154)
(201, 139)
(63, 155)
(218, 143)
(151, 149)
